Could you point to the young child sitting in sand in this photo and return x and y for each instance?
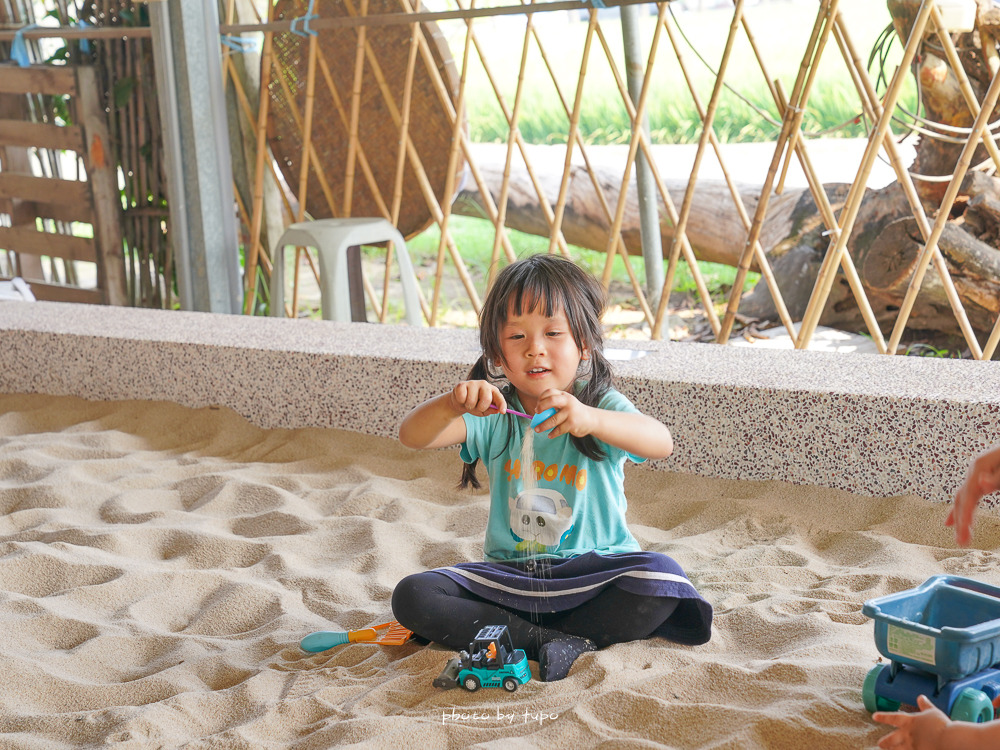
(930, 729)
(562, 570)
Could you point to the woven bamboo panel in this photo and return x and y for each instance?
(378, 131)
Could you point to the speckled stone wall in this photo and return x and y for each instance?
(864, 423)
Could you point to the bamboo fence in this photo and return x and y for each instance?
(362, 112)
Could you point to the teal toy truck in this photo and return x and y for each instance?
(491, 661)
(942, 640)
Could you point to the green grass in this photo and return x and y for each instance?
(781, 31)
(475, 238)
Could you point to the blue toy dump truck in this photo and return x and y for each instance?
(943, 641)
(491, 661)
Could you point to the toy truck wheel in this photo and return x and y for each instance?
(471, 683)
(972, 705)
(872, 701)
(509, 684)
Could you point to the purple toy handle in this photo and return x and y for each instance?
(511, 411)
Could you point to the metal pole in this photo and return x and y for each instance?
(649, 216)
(196, 139)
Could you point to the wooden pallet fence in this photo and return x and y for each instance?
(43, 208)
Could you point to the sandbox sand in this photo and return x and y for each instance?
(159, 565)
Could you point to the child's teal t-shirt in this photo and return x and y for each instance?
(577, 506)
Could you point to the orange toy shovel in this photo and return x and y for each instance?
(387, 634)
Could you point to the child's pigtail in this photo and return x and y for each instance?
(599, 382)
(469, 478)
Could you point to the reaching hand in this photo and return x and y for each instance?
(914, 731)
(983, 479)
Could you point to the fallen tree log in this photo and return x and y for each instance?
(885, 244)
(715, 230)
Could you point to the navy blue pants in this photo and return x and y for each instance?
(438, 609)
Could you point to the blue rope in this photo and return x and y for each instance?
(84, 43)
(19, 48)
(303, 22)
(241, 43)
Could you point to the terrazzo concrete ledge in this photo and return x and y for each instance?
(871, 424)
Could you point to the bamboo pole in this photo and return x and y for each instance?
(352, 133)
(574, 127)
(317, 24)
(555, 234)
(847, 263)
(708, 135)
(312, 154)
(731, 184)
(931, 249)
(307, 124)
(872, 104)
(795, 138)
(760, 59)
(230, 74)
(244, 101)
(578, 139)
(511, 141)
(616, 237)
(404, 129)
(963, 81)
(708, 122)
(132, 114)
(873, 109)
(449, 188)
(463, 143)
(796, 135)
(680, 240)
(417, 165)
(657, 320)
(414, 158)
(636, 114)
(991, 343)
(250, 291)
(362, 157)
(849, 214)
(791, 120)
(656, 324)
(543, 201)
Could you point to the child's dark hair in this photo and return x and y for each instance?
(549, 283)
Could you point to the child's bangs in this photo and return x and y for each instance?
(538, 294)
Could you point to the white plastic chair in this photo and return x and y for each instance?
(333, 239)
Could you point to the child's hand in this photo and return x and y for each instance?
(571, 416)
(632, 432)
(475, 397)
(983, 479)
(914, 731)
